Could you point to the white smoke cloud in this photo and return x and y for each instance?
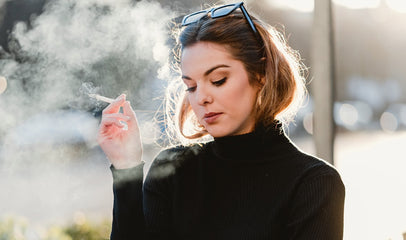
(74, 48)
(113, 46)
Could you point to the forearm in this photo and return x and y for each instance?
(128, 216)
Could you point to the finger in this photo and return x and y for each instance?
(114, 107)
(107, 122)
(119, 116)
(128, 111)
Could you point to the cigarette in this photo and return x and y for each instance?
(110, 100)
(101, 98)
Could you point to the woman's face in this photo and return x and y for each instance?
(218, 89)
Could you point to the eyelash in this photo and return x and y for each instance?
(191, 89)
(220, 82)
(215, 83)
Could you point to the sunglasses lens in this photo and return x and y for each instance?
(193, 18)
(222, 11)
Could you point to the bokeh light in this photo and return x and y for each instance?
(308, 123)
(348, 114)
(389, 122)
(403, 115)
(3, 84)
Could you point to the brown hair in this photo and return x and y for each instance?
(270, 63)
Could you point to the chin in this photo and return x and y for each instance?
(216, 132)
(218, 135)
(219, 131)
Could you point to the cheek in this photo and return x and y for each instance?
(191, 100)
(243, 100)
(239, 93)
(193, 104)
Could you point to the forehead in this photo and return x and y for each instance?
(203, 55)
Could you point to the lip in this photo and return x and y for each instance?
(211, 117)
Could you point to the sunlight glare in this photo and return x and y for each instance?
(372, 167)
(397, 5)
(297, 5)
(357, 4)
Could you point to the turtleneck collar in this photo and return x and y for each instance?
(251, 147)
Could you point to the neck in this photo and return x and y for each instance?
(251, 146)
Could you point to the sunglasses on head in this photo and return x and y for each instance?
(218, 12)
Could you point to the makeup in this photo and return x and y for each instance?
(211, 117)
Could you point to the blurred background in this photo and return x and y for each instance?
(55, 182)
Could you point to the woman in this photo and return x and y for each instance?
(242, 84)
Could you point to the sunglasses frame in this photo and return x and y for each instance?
(212, 10)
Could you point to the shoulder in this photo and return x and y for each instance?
(315, 181)
(170, 159)
(314, 167)
(307, 168)
(179, 153)
(307, 163)
(317, 174)
(316, 201)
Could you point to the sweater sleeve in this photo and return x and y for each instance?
(143, 211)
(318, 207)
(128, 217)
(158, 191)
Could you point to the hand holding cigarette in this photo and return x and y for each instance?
(121, 144)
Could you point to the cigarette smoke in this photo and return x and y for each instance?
(72, 49)
(80, 47)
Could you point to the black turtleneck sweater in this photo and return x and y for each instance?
(252, 186)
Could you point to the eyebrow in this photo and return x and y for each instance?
(208, 71)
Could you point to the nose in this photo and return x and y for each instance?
(203, 95)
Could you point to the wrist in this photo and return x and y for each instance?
(126, 165)
(125, 161)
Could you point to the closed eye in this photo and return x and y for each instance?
(220, 82)
(190, 89)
